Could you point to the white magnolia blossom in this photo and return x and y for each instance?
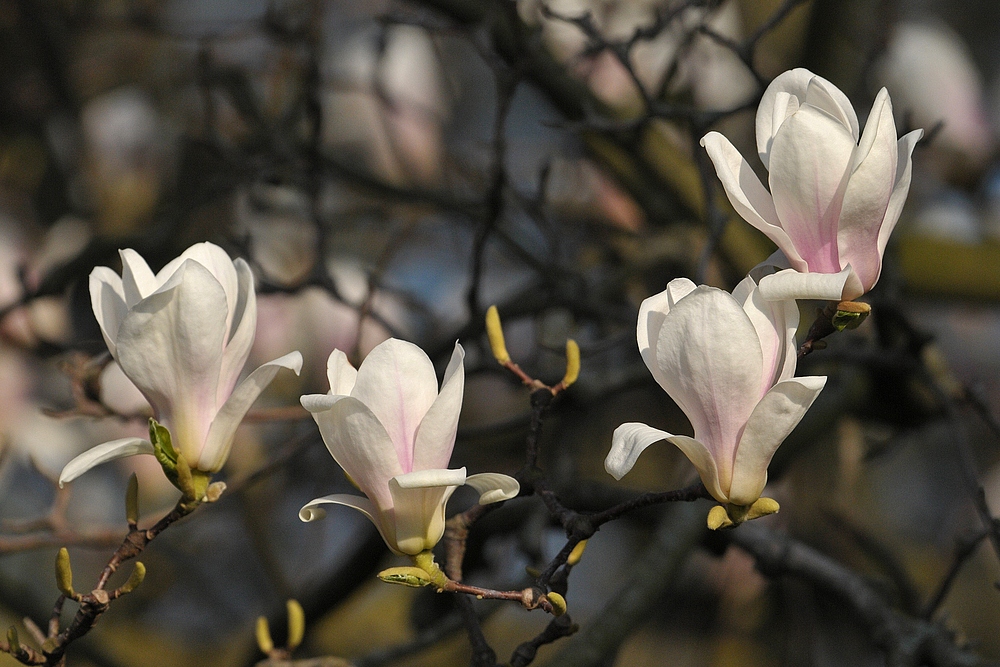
(392, 433)
(833, 201)
(727, 360)
(182, 336)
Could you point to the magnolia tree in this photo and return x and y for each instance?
(449, 317)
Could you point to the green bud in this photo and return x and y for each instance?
(850, 315)
(64, 574)
(13, 639)
(413, 577)
(264, 641)
(132, 500)
(138, 574)
(558, 603)
(296, 624)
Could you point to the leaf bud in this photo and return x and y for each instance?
(495, 333)
(296, 624)
(64, 574)
(264, 641)
(572, 363)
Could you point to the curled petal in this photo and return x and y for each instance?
(493, 487)
(220, 434)
(314, 510)
(772, 420)
(107, 298)
(632, 438)
(790, 284)
(340, 373)
(109, 451)
(436, 433)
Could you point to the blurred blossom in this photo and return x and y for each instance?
(64, 241)
(127, 149)
(933, 78)
(388, 108)
(727, 361)
(182, 336)
(392, 432)
(281, 231)
(833, 201)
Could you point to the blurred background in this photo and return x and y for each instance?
(393, 169)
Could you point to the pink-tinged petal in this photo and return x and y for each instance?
(358, 442)
(790, 284)
(775, 323)
(783, 97)
(751, 201)
(436, 433)
(138, 280)
(632, 438)
(241, 336)
(493, 487)
(314, 510)
(810, 165)
(651, 314)
(397, 383)
(772, 420)
(223, 429)
(341, 374)
(710, 357)
(825, 96)
(109, 451)
(219, 264)
(108, 301)
(170, 346)
(419, 500)
(868, 192)
(904, 169)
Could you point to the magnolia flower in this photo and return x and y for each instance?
(833, 201)
(182, 337)
(392, 433)
(727, 361)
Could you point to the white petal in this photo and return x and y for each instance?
(825, 96)
(809, 169)
(651, 314)
(711, 360)
(341, 374)
(790, 284)
(436, 433)
(493, 487)
(109, 451)
(904, 168)
(358, 442)
(397, 383)
(775, 323)
(867, 195)
(219, 264)
(108, 301)
(419, 500)
(241, 336)
(220, 434)
(632, 438)
(771, 422)
(170, 346)
(313, 511)
(138, 280)
(751, 201)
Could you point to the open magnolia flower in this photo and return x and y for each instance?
(727, 361)
(392, 433)
(833, 201)
(182, 337)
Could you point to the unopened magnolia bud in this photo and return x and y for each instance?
(138, 574)
(264, 641)
(577, 553)
(214, 491)
(296, 624)
(495, 333)
(64, 574)
(718, 518)
(850, 315)
(132, 500)
(558, 603)
(572, 363)
(413, 577)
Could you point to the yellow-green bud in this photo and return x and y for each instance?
(495, 333)
(572, 363)
(64, 574)
(132, 500)
(413, 577)
(264, 641)
(577, 553)
(718, 518)
(138, 574)
(296, 624)
(558, 603)
(850, 315)
(763, 507)
(13, 639)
